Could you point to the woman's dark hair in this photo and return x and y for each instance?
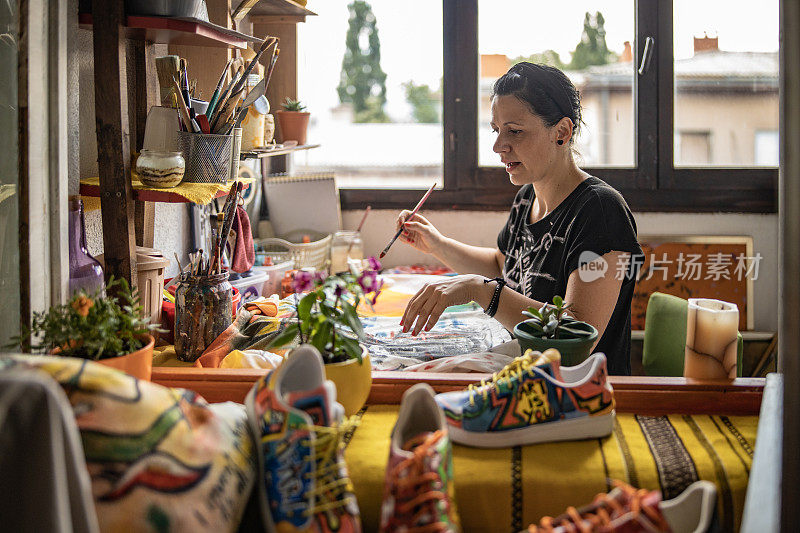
(548, 92)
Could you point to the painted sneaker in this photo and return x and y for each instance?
(628, 510)
(418, 491)
(298, 427)
(533, 400)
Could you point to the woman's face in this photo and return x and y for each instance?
(525, 144)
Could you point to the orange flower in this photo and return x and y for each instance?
(82, 304)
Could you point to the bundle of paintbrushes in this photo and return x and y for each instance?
(223, 229)
(228, 104)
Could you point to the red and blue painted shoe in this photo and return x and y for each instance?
(418, 490)
(533, 400)
(298, 427)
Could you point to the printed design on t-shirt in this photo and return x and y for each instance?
(519, 264)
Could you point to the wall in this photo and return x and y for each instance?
(480, 228)
(171, 220)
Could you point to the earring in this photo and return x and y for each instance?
(560, 141)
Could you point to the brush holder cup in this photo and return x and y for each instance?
(203, 310)
(208, 157)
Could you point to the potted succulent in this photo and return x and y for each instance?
(106, 329)
(293, 121)
(327, 319)
(551, 327)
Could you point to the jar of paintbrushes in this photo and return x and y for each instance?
(203, 310)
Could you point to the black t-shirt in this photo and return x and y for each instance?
(592, 221)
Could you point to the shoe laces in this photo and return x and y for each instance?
(515, 369)
(417, 489)
(331, 481)
(602, 511)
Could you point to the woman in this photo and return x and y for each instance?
(568, 233)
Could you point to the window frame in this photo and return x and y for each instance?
(653, 184)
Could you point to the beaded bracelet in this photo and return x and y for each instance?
(491, 309)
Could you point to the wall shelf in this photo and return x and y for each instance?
(185, 31)
(170, 196)
(259, 154)
(276, 8)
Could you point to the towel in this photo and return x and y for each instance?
(244, 253)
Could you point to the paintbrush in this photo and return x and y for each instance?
(223, 99)
(182, 109)
(215, 95)
(167, 67)
(409, 217)
(358, 230)
(274, 59)
(185, 84)
(269, 41)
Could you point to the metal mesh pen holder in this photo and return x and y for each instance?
(208, 157)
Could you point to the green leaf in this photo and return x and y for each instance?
(558, 301)
(352, 347)
(578, 332)
(532, 312)
(305, 305)
(351, 319)
(322, 336)
(285, 337)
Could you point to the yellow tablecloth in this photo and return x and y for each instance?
(507, 489)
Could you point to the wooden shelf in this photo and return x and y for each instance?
(191, 32)
(277, 151)
(280, 8)
(169, 196)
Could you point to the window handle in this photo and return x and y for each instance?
(649, 43)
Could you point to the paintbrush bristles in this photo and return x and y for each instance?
(168, 68)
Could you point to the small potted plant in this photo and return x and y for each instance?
(106, 329)
(327, 319)
(551, 327)
(293, 121)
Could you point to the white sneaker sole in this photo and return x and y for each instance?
(591, 427)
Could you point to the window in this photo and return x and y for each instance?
(685, 129)
(371, 76)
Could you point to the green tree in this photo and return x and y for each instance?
(548, 57)
(424, 102)
(592, 50)
(363, 82)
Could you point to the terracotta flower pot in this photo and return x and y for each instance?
(138, 364)
(353, 382)
(293, 125)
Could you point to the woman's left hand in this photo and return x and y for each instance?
(429, 303)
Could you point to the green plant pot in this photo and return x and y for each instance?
(573, 351)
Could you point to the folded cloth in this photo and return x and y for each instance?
(247, 332)
(251, 359)
(244, 253)
(263, 306)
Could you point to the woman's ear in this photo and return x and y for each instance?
(564, 129)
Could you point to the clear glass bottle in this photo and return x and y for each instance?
(346, 245)
(85, 272)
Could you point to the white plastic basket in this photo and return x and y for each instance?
(315, 254)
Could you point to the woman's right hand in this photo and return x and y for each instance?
(419, 232)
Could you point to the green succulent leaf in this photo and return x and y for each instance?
(287, 336)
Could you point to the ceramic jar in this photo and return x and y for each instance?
(160, 169)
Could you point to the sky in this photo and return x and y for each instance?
(410, 32)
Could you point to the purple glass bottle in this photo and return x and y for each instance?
(85, 273)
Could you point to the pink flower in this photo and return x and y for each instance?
(303, 281)
(373, 263)
(368, 280)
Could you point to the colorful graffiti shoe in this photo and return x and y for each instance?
(298, 427)
(629, 510)
(533, 400)
(418, 490)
